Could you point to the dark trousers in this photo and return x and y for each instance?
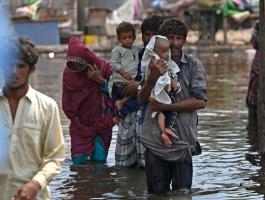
(160, 173)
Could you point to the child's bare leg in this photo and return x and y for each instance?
(161, 124)
(171, 133)
(166, 140)
(119, 103)
(161, 121)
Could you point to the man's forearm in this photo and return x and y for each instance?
(187, 105)
(145, 92)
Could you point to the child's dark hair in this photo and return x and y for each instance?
(151, 24)
(125, 27)
(173, 26)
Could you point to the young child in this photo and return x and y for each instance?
(124, 63)
(159, 48)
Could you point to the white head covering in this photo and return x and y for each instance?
(149, 53)
(162, 82)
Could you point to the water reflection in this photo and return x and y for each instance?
(228, 168)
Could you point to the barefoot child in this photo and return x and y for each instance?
(124, 64)
(159, 48)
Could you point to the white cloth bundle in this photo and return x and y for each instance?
(159, 91)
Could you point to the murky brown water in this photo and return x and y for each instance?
(228, 168)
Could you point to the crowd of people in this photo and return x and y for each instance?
(151, 93)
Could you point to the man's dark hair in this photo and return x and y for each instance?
(20, 48)
(28, 51)
(173, 26)
(151, 24)
(125, 27)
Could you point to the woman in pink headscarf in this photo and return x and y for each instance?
(85, 103)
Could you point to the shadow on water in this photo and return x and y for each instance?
(256, 159)
(228, 168)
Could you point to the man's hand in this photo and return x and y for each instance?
(156, 105)
(95, 75)
(157, 68)
(131, 88)
(28, 191)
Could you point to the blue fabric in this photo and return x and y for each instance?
(139, 71)
(99, 154)
(104, 87)
(199, 93)
(155, 4)
(130, 106)
(81, 159)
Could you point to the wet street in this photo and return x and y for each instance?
(228, 168)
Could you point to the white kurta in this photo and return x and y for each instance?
(32, 146)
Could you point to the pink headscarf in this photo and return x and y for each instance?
(83, 101)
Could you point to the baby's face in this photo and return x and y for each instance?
(162, 48)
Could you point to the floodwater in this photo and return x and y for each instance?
(229, 167)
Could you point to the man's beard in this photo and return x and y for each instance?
(175, 52)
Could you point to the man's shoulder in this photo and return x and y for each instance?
(190, 59)
(43, 98)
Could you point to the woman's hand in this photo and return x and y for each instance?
(95, 75)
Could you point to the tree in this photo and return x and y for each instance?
(261, 87)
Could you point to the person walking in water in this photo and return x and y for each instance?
(87, 104)
(159, 48)
(129, 152)
(30, 124)
(170, 167)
